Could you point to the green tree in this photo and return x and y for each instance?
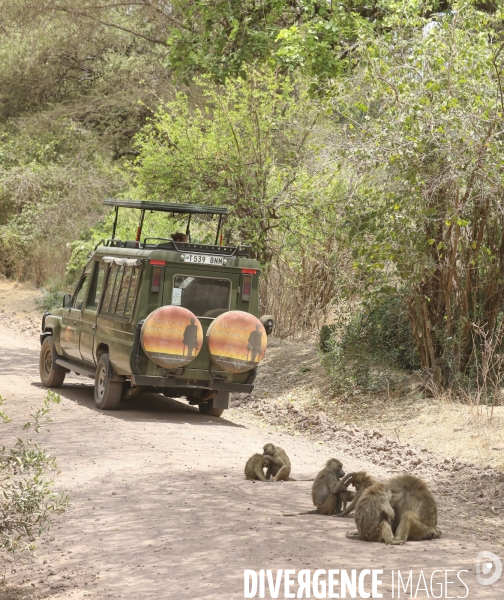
(317, 38)
(245, 145)
(420, 131)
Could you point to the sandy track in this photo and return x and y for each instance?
(160, 508)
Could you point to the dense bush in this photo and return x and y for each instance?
(366, 347)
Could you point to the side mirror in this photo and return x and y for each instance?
(269, 322)
(67, 301)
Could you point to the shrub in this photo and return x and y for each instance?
(365, 346)
(27, 497)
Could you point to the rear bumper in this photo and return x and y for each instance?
(175, 382)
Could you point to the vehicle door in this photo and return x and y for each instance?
(114, 328)
(72, 319)
(90, 311)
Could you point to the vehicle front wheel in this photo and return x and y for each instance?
(107, 393)
(48, 376)
(207, 408)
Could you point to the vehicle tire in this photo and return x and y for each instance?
(107, 393)
(48, 376)
(207, 408)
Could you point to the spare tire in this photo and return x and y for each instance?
(236, 341)
(171, 336)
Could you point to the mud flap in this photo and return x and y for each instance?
(221, 400)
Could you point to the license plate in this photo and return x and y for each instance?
(204, 259)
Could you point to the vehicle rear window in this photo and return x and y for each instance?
(204, 296)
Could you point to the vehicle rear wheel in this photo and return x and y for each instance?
(107, 393)
(207, 408)
(48, 376)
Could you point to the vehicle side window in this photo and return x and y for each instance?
(120, 293)
(109, 289)
(130, 300)
(123, 291)
(81, 293)
(96, 285)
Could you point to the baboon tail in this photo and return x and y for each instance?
(306, 512)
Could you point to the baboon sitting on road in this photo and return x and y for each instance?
(373, 515)
(345, 496)
(280, 465)
(254, 467)
(326, 490)
(415, 509)
(361, 482)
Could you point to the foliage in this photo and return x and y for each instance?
(367, 343)
(221, 38)
(52, 297)
(51, 187)
(247, 145)
(27, 500)
(71, 79)
(317, 39)
(420, 135)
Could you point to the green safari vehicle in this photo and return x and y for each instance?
(157, 314)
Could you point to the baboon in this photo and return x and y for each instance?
(439, 374)
(254, 467)
(415, 509)
(346, 496)
(361, 482)
(327, 487)
(325, 335)
(280, 466)
(373, 515)
(437, 379)
(269, 322)
(329, 490)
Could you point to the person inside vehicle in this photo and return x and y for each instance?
(179, 237)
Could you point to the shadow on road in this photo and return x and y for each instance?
(144, 407)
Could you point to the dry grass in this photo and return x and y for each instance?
(19, 298)
(291, 372)
(466, 431)
(299, 298)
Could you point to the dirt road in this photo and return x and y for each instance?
(160, 507)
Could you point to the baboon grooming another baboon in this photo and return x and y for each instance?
(373, 515)
(327, 487)
(415, 509)
(280, 465)
(361, 482)
(254, 467)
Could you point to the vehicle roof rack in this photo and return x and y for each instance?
(168, 207)
(144, 206)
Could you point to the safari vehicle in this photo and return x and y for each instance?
(161, 315)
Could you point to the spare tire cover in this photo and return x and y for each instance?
(171, 336)
(236, 341)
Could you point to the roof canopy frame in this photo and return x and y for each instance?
(168, 207)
